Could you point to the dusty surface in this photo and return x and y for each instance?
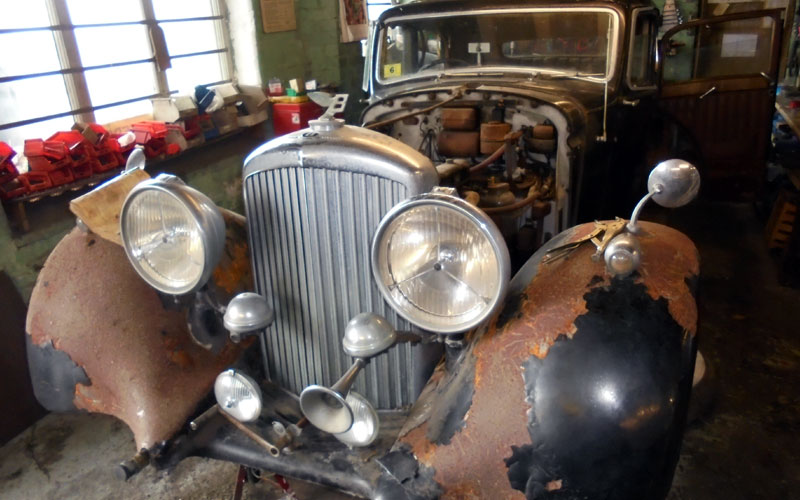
(746, 447)
(71, 456)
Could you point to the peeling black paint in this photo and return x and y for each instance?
(54, 376)
(596, 280)
(511, 310)
(692, 282)
(404, 478)
(447, 419)
(607, 405)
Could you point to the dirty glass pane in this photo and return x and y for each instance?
(104, 11)
(179, 9)
(113, 44)
(190, 36)
(641, 64)
(32, 98)
(124, 111)
(187, 72)
(717, 50)
(121, 83)
(39, 55)
(23, 14)
(568, 42)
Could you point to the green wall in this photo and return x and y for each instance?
(311, 51)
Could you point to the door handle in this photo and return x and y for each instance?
(707, 93)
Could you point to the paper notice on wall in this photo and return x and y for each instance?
(353, 20)
(278, 15)
(739, 45)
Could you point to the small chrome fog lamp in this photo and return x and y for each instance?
(440, 262)
(238, 395)
(623, 254)
(365, 422)
(247, 314)
(173, 234)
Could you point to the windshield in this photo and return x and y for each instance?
(566, 41)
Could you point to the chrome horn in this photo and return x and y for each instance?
(331, 409)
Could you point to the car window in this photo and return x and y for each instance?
(716, 50)
(641, 60)
(575, 41)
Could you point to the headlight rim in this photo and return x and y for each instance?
(205, 215)
(482, 221)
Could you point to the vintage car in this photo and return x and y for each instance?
(561, 374)
(578, 99)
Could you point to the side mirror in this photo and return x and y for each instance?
(672, 183)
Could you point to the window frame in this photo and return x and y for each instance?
(653, 50)
(73, 71)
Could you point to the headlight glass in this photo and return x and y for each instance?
(441, 263)
(238, 395)
(173, 235)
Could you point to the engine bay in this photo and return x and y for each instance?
(505, 154)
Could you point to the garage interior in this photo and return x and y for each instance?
(742, 438)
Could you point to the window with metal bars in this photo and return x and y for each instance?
(101, 61)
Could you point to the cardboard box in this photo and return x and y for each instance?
(172, 109)
(228, 91)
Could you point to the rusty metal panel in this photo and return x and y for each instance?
(140, 361)
(483, 428)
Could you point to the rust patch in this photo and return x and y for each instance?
(143, 366)
(473, 462)
(233, 274)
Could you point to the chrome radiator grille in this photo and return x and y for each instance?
(310, 235)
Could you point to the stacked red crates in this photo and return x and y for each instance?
(10, 184)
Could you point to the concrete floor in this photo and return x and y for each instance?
(746, 447)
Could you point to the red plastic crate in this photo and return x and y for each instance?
(55, 150)
(13, 188)
(6, 153)
(8, 171)
(61, 176)
(83, 169)
(106, 160)
(191, 127)
(148, 130)
(155, 147)
(42, 164)
(79, 148)
(36, 181)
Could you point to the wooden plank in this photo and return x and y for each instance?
(100, 208)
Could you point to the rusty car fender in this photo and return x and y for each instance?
(578, 389)
(101, 339)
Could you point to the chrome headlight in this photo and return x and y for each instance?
(238, 395)
(440, 262)
(173, 234)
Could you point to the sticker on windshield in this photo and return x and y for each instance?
(478, 48)
(392, 70)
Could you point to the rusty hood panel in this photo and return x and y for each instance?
(138, 357)
(519, 416)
